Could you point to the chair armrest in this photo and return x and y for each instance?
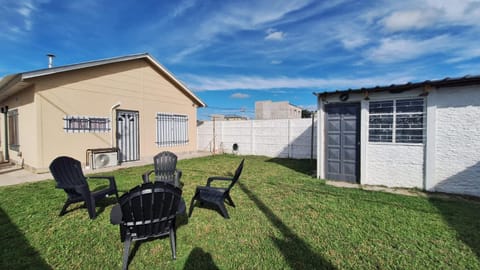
(206, 188)
(181, 207)
(146, 176)
(111, 179)
(65, 186)
(179, 174)
(221, 178)
(116, 215)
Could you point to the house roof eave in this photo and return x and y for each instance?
(11, 84)
(395, 88)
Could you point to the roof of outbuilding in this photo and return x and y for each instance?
(13, 83)
(446, 82)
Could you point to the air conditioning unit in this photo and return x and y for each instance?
(102, 160)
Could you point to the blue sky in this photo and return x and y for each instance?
(233, 53)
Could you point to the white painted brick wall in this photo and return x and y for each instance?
(395, 165)
(274, 138)
(457, 149)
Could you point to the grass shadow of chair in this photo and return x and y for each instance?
(199, 260)
(295, 250)
(15, 250)
(304, 166)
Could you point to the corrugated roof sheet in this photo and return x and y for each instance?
(445, 82)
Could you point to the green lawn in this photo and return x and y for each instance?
(284, 219)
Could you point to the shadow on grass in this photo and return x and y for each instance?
(463, 217)
(305, 166)
(15, 251)
(296, 252)
(100, 206)
(199, 259)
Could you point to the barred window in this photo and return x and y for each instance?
(397, 121)
(172, 129)
(86, 124)
(13, 130)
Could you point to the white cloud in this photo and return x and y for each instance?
(398, 49)
(414, 15)
(17, 18)
(273, 34)
(199, 83)
(354, 41)
(239, 16)
(239, 96)
(276, 62)
(410, 19)
(181, 8)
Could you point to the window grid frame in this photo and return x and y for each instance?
(394, 114)
(86, 124)
(178, 123)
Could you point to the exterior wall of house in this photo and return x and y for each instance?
(387, 164)
(457, 143)
(92, 92)
(447, 161)
(395, 165)
(23, 102)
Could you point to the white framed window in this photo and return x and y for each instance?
(172, 129)
(397, 121)
(75, 124)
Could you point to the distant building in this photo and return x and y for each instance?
(276, 110)
(228, 117)
(217, 117)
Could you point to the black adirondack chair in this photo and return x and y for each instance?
(69, 176)
(165, 164)
(215, 195)
(148, 211)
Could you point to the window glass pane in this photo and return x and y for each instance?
(381, 121)
(381, 107)
(98, 124)
(409, 136)
(410, 105)
(380, 135)
(407, 121)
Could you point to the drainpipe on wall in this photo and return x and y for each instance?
(5, 112)
(111, 122)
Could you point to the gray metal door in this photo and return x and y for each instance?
(128, 142)
(343, 141)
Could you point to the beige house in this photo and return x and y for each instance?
(130, 103)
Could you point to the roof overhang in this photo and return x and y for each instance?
(14, 83)
(398, 88)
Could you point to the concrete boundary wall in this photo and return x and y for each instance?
(285, 138)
